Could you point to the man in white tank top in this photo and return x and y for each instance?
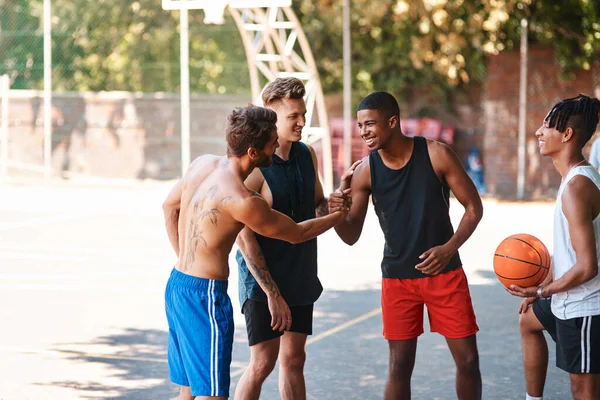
(567, 304)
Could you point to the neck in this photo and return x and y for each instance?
(284, 149)
(398, 146)
(566, 161)
(240, 166)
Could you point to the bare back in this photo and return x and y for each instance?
(207, 231)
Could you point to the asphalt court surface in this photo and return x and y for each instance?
(82, 273)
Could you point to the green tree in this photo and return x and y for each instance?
(404, 45)
(115, 45)
(21, 43)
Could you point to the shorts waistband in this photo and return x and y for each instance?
(196, 283)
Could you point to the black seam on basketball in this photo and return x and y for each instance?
(519, 278)
(518, 259)
(534, 249)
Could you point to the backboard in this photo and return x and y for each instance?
(214, 9)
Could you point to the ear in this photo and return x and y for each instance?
(252, 153)
(567, 135)
(393, 122)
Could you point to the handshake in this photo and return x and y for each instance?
(341, 199)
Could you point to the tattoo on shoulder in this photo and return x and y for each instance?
(226, 200)
(212, 191)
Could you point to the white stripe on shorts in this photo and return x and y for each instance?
(216, 344)
(585, 345)
(589, 345)
(212, 339)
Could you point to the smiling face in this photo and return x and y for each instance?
(375, 128)
(291, 118)
(549, 139)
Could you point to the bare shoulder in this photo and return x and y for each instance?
(204, 160)
(362, 174)
(580, 190)
(244, 201)
(439, 150)
(312, 151)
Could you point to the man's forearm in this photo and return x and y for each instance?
(255, 260)
(467, 226)
(172, 223)
(348, 232)
(576, 276)
(312, 228)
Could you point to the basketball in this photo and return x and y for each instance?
(521, 260)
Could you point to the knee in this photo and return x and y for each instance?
(185, 393)
(523, 325)
(526, 324)
(400, 364)
(262, 367)
(577, 392)
(468, 363)
(293, 361)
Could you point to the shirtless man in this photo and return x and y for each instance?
(204, 213)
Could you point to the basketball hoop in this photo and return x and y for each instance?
(214, 10)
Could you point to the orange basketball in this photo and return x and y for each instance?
(521, 260)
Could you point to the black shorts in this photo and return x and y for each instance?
(258, 321)
(577, 339)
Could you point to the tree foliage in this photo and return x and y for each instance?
(397, 45)
(403, 45)
(116, 45)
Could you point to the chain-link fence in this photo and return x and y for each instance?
(115, 75)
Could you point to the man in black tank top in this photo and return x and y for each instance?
(278, 281)
(409, 180)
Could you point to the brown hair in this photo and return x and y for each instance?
(247, 127)
(283, 88)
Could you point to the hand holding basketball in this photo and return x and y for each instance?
(521, 263)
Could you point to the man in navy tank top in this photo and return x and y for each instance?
(278, 282)
(567, 304)
(409, 180)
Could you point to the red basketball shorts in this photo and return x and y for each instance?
(448, 304)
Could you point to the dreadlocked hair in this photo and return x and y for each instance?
(580, 113)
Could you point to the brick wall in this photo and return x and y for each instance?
(132, 135)
(115, 134)
(500, 119)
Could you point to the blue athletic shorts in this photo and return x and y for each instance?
(201, 329)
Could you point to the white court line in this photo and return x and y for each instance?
(329, 332)
(41, 220)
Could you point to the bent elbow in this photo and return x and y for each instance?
(592, 273)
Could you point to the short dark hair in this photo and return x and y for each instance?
(383, 102)
(283, 88)
(247, 127)
(580, 113)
